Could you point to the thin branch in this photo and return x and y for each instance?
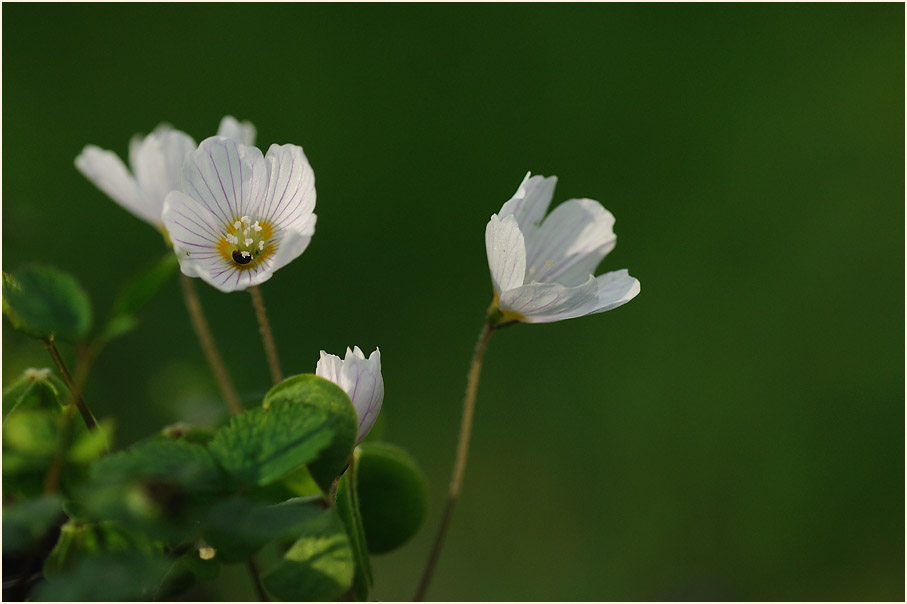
(256, 580)
(456, 481)
(203, 332)
(70, 383)
(267, 337)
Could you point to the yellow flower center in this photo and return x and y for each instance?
(246, 243)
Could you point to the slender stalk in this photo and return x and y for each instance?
(266, 336)
(456, 481)
(256, 580)
(71, 384)
(332, 494)
(203, 332)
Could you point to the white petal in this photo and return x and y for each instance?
(156, 162)
(193, 230)
(228, 277)
(506, 253)
(243, 132)
(226, 177)
(290, 196)
(614, 289)
(328, 367)
(109, 173)
(293, 243)
(571, 242)
(549, 302)
(530, 202)
(361, 379)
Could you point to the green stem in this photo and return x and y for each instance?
(459, 470)
(267, 337)
(70, 383)
(256, 580)
(203, 332)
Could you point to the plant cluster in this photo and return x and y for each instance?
(290, 487)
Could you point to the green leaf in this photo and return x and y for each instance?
(160, 486)
(139, 290)
(238, 528)
(301, 483)
(121, 576)
(392, 495)
(263, 445)
(192, 434)
(348, 508)
(33, 433)
(135, 294)
(117, 326)
(318, 567)
(176, 462)
(78, 539)
(322, 394)
(43, 301)
(25, 523)
(90, 445)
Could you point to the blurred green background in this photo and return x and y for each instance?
(733, 433)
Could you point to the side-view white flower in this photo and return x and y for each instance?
(361, 379)
(542, 270)
(239, 216)
(156, 161)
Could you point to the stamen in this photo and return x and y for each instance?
(237, 225)
(256, 227)
(231, 238)
(261, 245)
(248, 242)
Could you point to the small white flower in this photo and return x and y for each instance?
(227, 189)
(156, 161)
(542, 270)
(361, 379)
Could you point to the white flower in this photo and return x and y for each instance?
(156, 161)
(238, 216)
(361, 379)
(542, 270)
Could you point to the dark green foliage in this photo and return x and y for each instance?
(348, 508)
(324, 395)
(41, 430)
(263, 445)
(318, 567)
(238, 528)
(130, 575)
(78, 539)
(176, 462)
(25, 523)
(135, 294)
(45, 302)
(392, 495)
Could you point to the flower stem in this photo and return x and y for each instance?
(203, 332)
(266, 336)
(256, 580)
(459, 469)
(70, 383)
